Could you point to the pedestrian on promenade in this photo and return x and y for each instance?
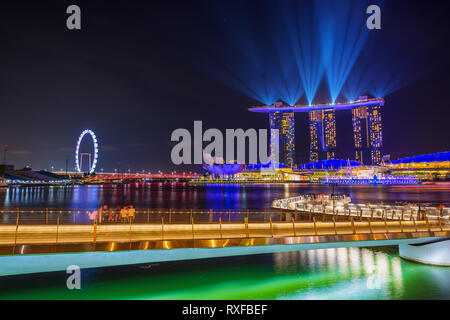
(131, 213)
(117, 214)
(124, 214)
(441, 208)
(111, 215)
(102, 213)
(93, 215)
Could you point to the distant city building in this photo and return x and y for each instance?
(367, 134)
(434, 166)
(443, 157)
(285, 123)
(367, 129)
(6, 167)
(30, 176)
(218, 168)
(329, 164)
(322, 128)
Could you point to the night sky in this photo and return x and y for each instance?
(132, 75)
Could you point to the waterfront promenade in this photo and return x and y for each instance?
(53, 227)
(11, 235)
(41, 241)
(341, 205)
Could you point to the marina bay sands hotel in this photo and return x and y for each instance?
(367, 129)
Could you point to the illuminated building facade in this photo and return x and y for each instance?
(434, 166)
(367, 129)
(367, 134)
(322, 128)
(284, 122)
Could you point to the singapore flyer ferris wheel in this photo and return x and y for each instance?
(79, 156)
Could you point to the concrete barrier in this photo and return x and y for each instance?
(433, 252)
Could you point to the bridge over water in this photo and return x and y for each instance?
(155, 177)
(40, 245)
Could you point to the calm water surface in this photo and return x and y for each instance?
(350, 273)
(201, 197)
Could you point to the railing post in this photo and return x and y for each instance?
(334, 225)
(162, 228)
(95, 231)
(246, 227)
(401, 225)
(73, 212)
(315, 227)
(130, 233)
(17, 218)
(264, 215)
(293, 226)
(220, 227)
(353, 225)
(415, 226)
(385, 225)
(370, 225)
(15, 235)
(229, 215)
(428, 223)
(57, 229)
(148, 215)
(440, 223)
(46, 215)
(271, 226)
(192, 222)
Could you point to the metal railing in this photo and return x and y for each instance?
(47, 216)
(29, 234)
(373, 211)
(83, 216)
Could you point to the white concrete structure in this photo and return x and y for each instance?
(433, 252)
(342, 205)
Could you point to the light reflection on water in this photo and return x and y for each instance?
(345, 273)
(199, 197)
